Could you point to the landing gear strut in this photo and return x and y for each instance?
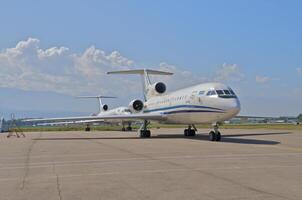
(129, 128)
(189, 131)
(123, 129)
(144, 132)
(215, 135)
(87, 127)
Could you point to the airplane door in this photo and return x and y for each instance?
(194, 98)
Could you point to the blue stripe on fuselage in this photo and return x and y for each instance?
(181, 106)
(192, 111)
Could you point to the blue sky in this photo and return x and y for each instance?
(254, 46)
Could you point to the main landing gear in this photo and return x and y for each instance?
(87, 128)
(128, 128)
(215, 134)
(144, 132)
(189, 131)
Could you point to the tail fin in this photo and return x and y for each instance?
(145, 76)
(99, 97)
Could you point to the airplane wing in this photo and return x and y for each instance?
(70, 122)
(139, 116)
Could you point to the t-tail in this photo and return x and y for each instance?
(102, 107)
(149, 89)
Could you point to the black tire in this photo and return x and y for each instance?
(218, 136)
(145, 133)
(148, 133)
(123, 129)
(186, 132)
(87, 129)
(212, 136)
(192, 132)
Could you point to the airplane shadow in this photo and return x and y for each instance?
(235, 138)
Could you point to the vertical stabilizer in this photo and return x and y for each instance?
(145, 77)
(99, 97)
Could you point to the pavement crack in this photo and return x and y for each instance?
(175, 164)
(59, 188)
(27, 160)
(58, 185)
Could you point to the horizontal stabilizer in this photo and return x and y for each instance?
(141, 71)
(99, 96)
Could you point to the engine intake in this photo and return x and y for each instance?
(160, 87)
(136, 105)
(105, 107)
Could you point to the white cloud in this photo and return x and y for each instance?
(26, 66)
(262, 79)
(229, 73)
(299, 70)
(29, 67)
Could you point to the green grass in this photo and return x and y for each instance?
(156, 125)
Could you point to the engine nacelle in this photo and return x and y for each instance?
(136, 105)
(105, 107)
(157, 88)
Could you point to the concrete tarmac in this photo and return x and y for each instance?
(246, 164)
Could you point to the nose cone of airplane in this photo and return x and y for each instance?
(234, 108)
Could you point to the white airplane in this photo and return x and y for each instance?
(103, 111)
(199, 104)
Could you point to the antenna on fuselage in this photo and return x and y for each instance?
(145, 76)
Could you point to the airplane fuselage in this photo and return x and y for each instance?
(116, 111)
(193, 105)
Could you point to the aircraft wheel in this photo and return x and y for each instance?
(218, 136)
(212, 136)
(192, 132)
(189, 132)
(87, 129)
(145, 133)
(186, 132)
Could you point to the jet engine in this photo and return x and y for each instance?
(136, 105)
(105, 107)
(157, 88)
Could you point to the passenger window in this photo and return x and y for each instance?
(213, 92)
(209, 93)
(232, 92)
(201, 92)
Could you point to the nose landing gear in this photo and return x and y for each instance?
(144, 132)
(215, 135)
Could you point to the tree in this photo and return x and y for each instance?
(300, 117)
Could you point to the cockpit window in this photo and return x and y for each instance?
(211, 93)
(226, 93)
(219, 92)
